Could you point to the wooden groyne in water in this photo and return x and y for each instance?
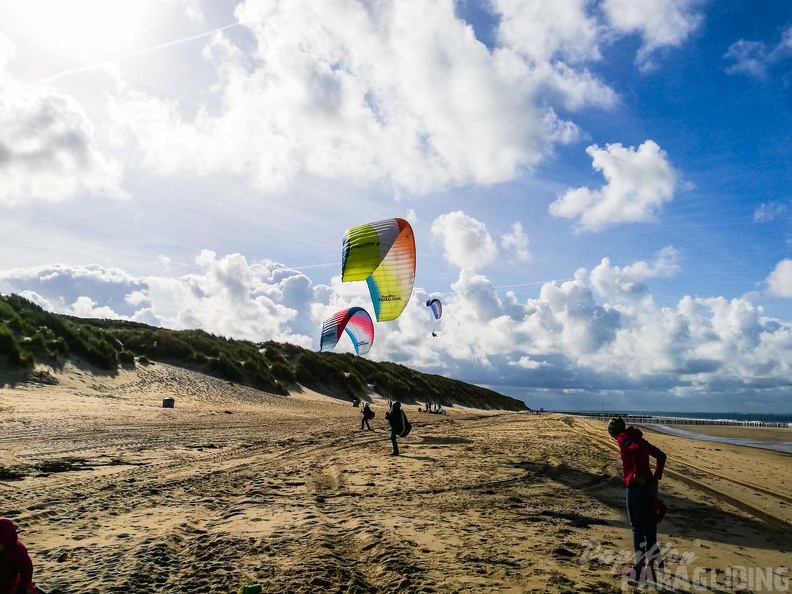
(652, 420)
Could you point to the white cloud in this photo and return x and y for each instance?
(767, 211)
(191, 8)
(754, 58)
(466, 241)
(616, 283)
(405, 94)
(639, 182)
(660, 22)
(543, 31)
(7, 52)
(779, 283)
(229, 296)
(600, 331)
(48, 149)
(515, 243)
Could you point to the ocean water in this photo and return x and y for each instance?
(778, 446)
(725, 416)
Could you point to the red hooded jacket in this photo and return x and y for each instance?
(16, 568)
(635, 451)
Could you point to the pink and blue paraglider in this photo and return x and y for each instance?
(356, 322)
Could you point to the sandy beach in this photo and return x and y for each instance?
(234, 487)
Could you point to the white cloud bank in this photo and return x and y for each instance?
(401, 95)
(598, 333)
(639, 182)
(405, 95)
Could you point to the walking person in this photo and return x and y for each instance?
(366, 414)
(641, 495)
(399, 425)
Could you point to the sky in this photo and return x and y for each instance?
(600, 190)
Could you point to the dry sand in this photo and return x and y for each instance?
(233, 487)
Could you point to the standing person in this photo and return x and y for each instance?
(366, 414)
(641, 485)
(398, 425)
(16, 568)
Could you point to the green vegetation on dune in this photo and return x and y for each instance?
(30, 335)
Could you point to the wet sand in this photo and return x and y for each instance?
(233, 487)
(753, 433)
(764, 438)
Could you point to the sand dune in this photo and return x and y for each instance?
(233, 487)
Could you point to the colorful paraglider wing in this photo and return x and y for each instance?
(436, 307)
(382, 253)
(356, 322)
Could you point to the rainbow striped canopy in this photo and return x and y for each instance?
(383, 254)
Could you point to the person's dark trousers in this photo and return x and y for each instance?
(395, 445)
(640, 501)
(364, 421)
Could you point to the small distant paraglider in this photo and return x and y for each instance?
(436, 310)
(435, 307)
(356, 322)
(383, 254)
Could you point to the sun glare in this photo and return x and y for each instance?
(89, 28)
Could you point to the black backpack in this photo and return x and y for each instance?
(407, 427)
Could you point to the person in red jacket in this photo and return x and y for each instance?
(16, 568)
(641, 483)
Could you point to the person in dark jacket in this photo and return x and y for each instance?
(398, 422)
(16, 568)
(641, 483)
(365, 415)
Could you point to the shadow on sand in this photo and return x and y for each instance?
(686, 517)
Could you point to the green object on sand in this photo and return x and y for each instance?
(250, 589)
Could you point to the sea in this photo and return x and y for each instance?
(785, 418)
(778, 446)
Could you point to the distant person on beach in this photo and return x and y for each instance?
(16, 568)
(399, 425)
(641, 485)
(366, 414)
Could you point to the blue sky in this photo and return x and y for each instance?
(601, 191)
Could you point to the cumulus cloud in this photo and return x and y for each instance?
(639, 182)
(779, 283)
(543, 31)
(48, 149)
(466, 242)
(601, 331)
(755, 58)
(615, 283)
(228, 296)
(515, 243)
(661, 23)
(405, 94)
